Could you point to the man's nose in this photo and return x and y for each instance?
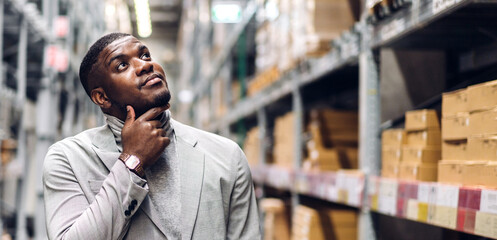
(143, 67)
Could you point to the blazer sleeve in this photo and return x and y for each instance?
(69, 214)
(243, 220)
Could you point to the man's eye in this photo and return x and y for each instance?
(121, 66)
(146, 56)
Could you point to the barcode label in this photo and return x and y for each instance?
(488, 201)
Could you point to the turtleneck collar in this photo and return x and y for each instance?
(116, 126)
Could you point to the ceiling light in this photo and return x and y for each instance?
(143, 22)
(226, 12)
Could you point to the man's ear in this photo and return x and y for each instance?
(99, 97)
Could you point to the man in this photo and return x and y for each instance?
(143, 175)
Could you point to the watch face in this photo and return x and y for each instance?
(132, 162)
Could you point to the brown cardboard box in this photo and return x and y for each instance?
(472, 173)
(484, 122)
(450, 171)
(393, 137)
(390, 169)
(455, 127)
(391, 154)
(454, 102)
(421, 120)
(335, 119)
(276, 226)
(482, 96)
(455, 150)
(418, 171)
(429, 137)
(421, 154)
(490, 175)
(482, 147)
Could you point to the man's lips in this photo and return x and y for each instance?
(153, 79)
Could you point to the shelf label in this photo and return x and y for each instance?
(332, 193)
(486, 224)
(422, 212)
(447, 196)
(440, 5)
(427, 193)
(488, 202)
(387, 202)
(392, 29)
(445, 217)
(412, 209)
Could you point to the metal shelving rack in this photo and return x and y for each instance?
(420, 24)
(27, 32)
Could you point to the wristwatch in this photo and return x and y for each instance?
(133, 163)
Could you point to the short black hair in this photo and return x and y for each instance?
(86, 67)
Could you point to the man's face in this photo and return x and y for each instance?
(130, 77)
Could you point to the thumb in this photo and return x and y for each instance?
(130, 116)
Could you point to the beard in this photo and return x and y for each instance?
(161, 99)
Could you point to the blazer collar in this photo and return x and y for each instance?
(192, 163)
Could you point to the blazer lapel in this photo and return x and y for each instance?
(105, 146)
(192, 162)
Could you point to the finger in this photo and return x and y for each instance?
(155, 123)
(153, 113)
(130, 115)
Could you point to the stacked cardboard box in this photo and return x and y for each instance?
(284, 140)
(251, 146)
(276, 226)
(470, 137)
(455, 130)
(333, 143)
(392, 141)
(321, 28)
(309, 223)
(422, 152)
(480, 169)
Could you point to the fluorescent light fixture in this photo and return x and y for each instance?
(226, 12)
(185, 96)
(143, 22)
(271, 10)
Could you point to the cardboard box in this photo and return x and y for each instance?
(390, 169)
(450, 171)
(455, 150)
(429, 137)
(391, 154)
(418, 171)
(335, 119)
(393, 137)
(421, 154)
(454, 102)
(490, 175)
(421, 120)
(472, 173)
(482, 147)
(455, 127)
(276, 225)
(484, 122)
(482, 96)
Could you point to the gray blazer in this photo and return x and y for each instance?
(88, 190)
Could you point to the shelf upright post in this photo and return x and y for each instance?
(46, 123)
(2, 79)
(22, 183)
(298, 112)
(369, 125)
(262, 124)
